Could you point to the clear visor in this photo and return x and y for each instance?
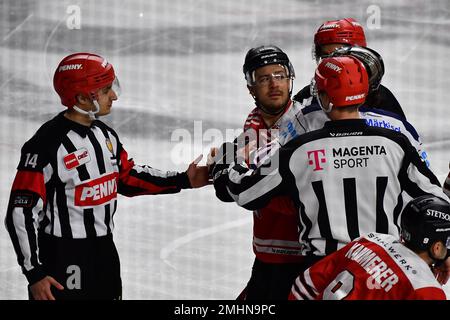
(277, 76)
(116, 87)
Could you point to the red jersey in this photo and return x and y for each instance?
(374, 267)
(275, 227)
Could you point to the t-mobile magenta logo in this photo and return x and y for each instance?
(316, 159)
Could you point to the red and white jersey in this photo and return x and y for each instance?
(275, 227)
(373, 267)
(67, 183)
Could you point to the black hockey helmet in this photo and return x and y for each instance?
(371, 59)
(426, 220)
(262, 56)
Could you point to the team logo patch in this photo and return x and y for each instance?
(97, 191)
(77, 158)
(109, 145)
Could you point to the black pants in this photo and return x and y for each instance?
(86, 268)
(273, 281)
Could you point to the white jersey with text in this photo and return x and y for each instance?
(373, 267)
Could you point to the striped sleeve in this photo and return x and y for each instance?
(137, 180)
(251, 188)
(26, 203)
(417, 179)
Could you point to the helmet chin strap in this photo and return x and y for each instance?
(90, 113)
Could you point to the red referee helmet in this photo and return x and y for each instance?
(344, 79)
(81, 73)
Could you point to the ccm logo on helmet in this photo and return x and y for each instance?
(96, 192)
(438, 214)
(77, 66)
(334, 67)
(355, 97)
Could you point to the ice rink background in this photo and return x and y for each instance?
(180, 62)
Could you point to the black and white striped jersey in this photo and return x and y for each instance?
(346, 179)
(67, 183)
(309, 118)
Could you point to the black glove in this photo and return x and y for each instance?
(224, 157)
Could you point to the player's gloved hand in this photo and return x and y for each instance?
(221, 158)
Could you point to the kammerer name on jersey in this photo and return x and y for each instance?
(373, 267)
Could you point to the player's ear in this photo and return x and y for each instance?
(82, 99)
(436, 248)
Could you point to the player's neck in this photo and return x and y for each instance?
(269, 119)
(338, 114)
(425, 257)
(77, 117)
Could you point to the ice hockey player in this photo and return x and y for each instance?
(381, 267)
(346, 179)
(269, 75)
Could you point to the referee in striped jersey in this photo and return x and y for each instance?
(346, 179)
(64, 196)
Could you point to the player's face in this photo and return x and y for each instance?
(105, 98)
(271, 87)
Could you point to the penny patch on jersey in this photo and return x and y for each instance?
(97, 191)
(77, 158)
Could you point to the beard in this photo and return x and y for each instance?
(273, 108)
